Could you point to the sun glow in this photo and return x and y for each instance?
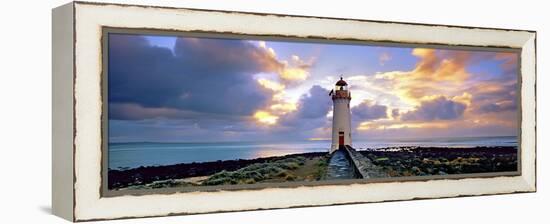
(294, 74)
(265, 117)
(284, 107)
(268, 84)
(374, 126)
(318, 139)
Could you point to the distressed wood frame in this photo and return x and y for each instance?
(77, 110)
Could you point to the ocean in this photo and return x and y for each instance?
(136, 154)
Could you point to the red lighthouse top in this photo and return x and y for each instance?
(341, 82)
(341, 90)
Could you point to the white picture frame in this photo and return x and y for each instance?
(77, 110)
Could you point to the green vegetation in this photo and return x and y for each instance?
(301, 167)
(424, 161)
(160, 184)
(321, 167)
(289, 169)
(278, 169)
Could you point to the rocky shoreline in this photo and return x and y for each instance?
(392, 162)
(168, 176)
(424, 161)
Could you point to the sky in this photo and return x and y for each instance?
(185, 89)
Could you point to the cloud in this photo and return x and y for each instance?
(495, 96)
(222, 86)
(316, 103)
(202, 75)
(367, 110)
(441, 65)
(439, 108)
(435, 73)
(384, 57)
(289, 72)
(395, 113)
(199, 128)
(312, 110)
(265, 117)
(501, 106)
(509, 63)
(210, 89)
(467, 90)
(132, 111)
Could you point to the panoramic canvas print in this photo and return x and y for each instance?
(194, 111)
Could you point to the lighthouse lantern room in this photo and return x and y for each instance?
(341, 116)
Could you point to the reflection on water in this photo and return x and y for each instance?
(147, 154)
(269, 152)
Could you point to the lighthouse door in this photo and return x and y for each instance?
(341, 138)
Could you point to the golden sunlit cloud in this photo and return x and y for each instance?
(294, 74)
(433, 75)
(269, 50)
(280, 105)
(265, 117)
(465, 98)
(284, 108)
(387, 126)
(438, 68)
(318, 139)
(295, 70)
(266, 83)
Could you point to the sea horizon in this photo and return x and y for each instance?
(123, 155)
(325, 139)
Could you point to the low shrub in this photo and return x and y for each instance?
(258, 172)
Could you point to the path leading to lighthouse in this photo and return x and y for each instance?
(340, 167)
(347, 163)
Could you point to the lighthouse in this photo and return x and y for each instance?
(341, 116)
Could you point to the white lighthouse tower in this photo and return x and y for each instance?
(341, 116)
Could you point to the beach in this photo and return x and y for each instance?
(394, 161)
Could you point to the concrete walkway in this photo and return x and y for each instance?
(347, 163)
(340, 167)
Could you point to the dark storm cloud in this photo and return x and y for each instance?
(439, 108)
(201, 75)
(313, 108)
(494, 97)
(395, 113)
(132, 111)
(369, 111)
(498, 107)
(499, 93)
(315, 104)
